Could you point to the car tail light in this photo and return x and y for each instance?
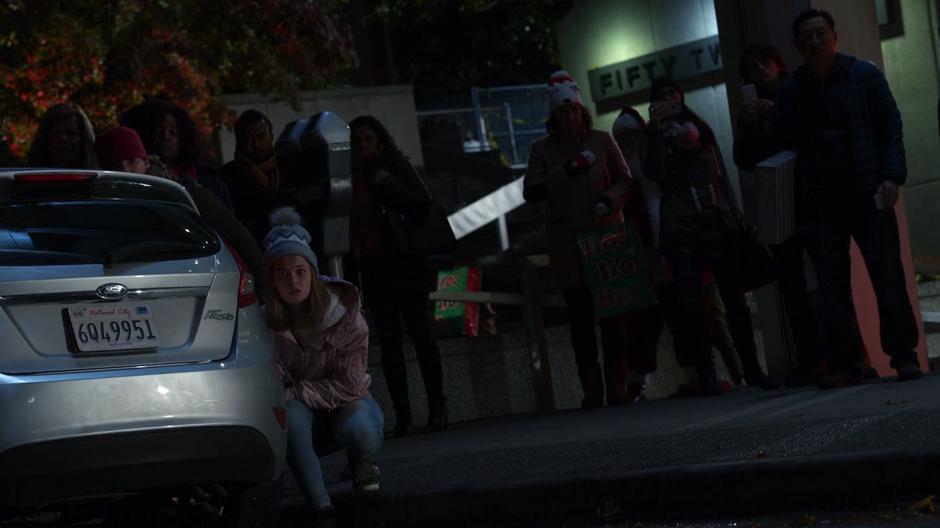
(281, 415)
(52, 177)
(52, 186)
(246, 281)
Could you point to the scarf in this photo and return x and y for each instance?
(265, 173)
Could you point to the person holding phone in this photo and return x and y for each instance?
(699, 230)
(763, 71)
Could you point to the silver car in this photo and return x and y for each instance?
(133, 353)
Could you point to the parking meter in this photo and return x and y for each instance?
(314, 158)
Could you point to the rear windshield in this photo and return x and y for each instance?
(87, 232)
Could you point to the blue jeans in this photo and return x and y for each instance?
(356, 426)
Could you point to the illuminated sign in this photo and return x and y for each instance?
(681, 62)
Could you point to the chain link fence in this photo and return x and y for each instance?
(506, 119)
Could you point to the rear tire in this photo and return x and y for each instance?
(254, 506)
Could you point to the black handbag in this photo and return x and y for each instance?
(431, 235)
(757, 265)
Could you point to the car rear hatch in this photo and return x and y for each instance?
(109, 270)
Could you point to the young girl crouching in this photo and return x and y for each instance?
(322, 343)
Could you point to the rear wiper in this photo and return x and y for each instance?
(148, 247)
(22, 257)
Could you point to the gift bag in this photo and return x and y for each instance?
(453, 318)
(617, 270)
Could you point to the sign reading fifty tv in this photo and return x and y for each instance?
(681, 62)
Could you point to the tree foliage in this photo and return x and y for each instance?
(446, 46)
(107, 55)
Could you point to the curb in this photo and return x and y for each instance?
(748, 487)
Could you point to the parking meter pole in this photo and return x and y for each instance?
(318, 163)
(334, 266)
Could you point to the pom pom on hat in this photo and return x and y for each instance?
(287, 237)
(284, 215)
(562, 89)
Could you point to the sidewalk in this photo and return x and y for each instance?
(747, 451)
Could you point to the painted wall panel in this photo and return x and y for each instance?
(911, 67)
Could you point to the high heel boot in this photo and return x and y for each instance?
(402, 422)
(437, 415)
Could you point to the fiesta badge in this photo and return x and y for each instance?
(112, 291)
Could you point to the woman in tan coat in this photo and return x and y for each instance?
(581, 177)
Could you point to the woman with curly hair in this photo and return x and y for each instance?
(170, 134)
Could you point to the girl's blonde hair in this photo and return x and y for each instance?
(276, 309)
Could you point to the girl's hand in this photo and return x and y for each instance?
(290, 394)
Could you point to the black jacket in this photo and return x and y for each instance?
(251, 203)
(396, 188)
(858, 91)
(222, 219)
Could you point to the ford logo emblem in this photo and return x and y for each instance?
(111, 292)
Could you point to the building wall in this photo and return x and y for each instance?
(602, 32)
(394, 106)
(911, 67)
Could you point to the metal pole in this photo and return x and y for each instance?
(503, 233)
(334, 266)
(478, 116)
(535, 339)
(512, 132)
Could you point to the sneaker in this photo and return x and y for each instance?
(617, 400)
(909, 370)
(759, 379)
(636, 392)
(347, 472)
(365, 475)
(869, 372)
(592, 402)
(841, 379)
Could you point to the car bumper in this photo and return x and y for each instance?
(70, 435)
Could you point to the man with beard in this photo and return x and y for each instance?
(252, 177)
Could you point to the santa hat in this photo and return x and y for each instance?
(562, 89)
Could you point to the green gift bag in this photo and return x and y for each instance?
(452, 318)
(617, 270)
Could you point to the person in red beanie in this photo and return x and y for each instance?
(120, 149)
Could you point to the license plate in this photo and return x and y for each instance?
(113, 327)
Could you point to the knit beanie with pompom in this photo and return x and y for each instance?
(287, 237)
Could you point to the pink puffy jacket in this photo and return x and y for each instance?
(328, 370)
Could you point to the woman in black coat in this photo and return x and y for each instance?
(395, 283)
